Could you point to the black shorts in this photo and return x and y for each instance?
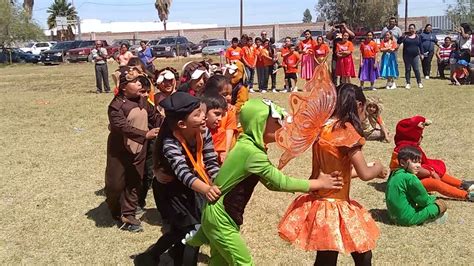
(291, 76)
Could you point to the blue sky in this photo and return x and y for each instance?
(222, 12)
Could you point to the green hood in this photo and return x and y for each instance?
(253, 118)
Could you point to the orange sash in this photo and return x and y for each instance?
(199, 163)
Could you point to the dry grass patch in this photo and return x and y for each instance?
(53, 140)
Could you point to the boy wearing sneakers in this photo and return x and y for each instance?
(290, 64)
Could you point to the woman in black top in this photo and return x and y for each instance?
(411, 54)
(428, 43)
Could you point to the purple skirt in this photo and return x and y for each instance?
(368, 72)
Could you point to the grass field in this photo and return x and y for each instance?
(53, 136)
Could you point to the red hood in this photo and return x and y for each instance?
(409, 130)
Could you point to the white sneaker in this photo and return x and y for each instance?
(284, 90)
(420, 86)
(427, 77)
(408, 86)
(373, 88)
(251, 90)
(394, 86)
(274, 90)
(295, 89)
(263, 91)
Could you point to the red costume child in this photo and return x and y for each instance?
(433, 176)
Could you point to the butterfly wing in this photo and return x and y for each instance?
(310, 110)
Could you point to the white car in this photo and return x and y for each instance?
(36, 47)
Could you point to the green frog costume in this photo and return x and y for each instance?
(408, 202)
(245, 166)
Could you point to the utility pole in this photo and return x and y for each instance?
(406, 15)
(241, 17)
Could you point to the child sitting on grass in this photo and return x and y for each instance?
(461, 72)
(373, 125)
(408, 202)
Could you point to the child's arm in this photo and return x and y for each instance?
(364, 171)
(274, 179)
(118, 122)
(209, 156)
(383, 128)
(184, 173)
(417, 192)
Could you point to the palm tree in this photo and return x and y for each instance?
(163, 8)
(61, 8)
(28, 6)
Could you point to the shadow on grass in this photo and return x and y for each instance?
(146, 258)
(152, 217)
(100, 192)
(101, 216)
(381, 187)
(381, 215)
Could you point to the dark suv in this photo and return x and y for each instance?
(57, 53)
(172, 47)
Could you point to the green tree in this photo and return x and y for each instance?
(163, 8)
(307, 16)
(357, 13)
(15, 25)
(61, 8)
(461, 12)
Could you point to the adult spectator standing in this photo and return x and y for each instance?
(146, 56)
(393, 28)
(442, 56)
(99, 55)
(263, 35)
(428, 42)
(335, 35)
(465, 41)
(411, 54)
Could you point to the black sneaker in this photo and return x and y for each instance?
(131, 224)
(467, 185)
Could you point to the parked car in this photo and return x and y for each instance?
(114, 49)
(83, 51)
(172, 46)
(57, 54)
(197, 48)
(17, 56)
(281, 42)
(215, 47)
(194, 48)
(36, 47)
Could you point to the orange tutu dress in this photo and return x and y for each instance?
(328, 219)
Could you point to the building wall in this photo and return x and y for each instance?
(195, 35)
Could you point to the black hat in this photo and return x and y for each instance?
(180, 104)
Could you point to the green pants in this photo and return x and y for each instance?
(422, 215)
(222, 234)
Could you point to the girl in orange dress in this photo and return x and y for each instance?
(321, 51)
(329, 221)
(345, 64)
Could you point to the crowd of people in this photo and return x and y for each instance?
(196, 139)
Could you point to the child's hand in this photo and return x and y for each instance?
(325, 181)
(441, 205)
(152, 133)
(384, 173)
(213, 193)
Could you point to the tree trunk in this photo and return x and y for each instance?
(28, 6)
(164, 25)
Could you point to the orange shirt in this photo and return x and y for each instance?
(258, 51)
(290, 62)
(321, 50)
(369, 50)
(233, 53)
(347, 46)
(228, 122)
(265, 60)
(390, 44)
(284, 51)
(249, 54)
(307, 46)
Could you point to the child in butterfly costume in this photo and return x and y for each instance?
(433, 176)
(328, 221)
(245, 166)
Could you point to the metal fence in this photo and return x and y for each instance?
(442, 22)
